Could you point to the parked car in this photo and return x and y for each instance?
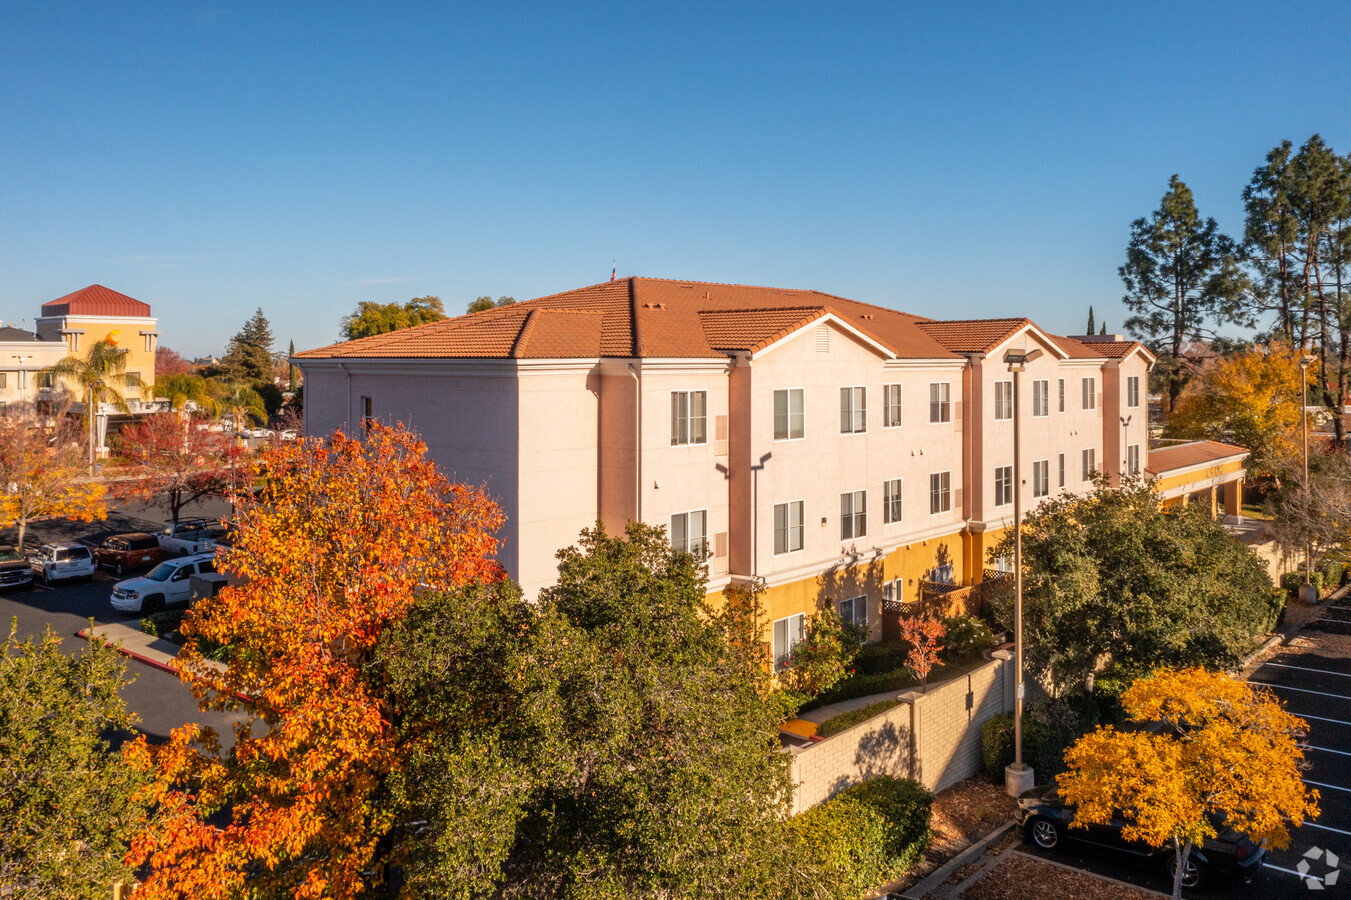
(167, 584)
(1045, 818)
(187, 537)
(128, 551)
(62, 562)
(14, 569)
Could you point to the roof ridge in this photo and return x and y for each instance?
(527, 328)
(760, 309)
(971, 321)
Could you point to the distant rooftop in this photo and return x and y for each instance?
(96, 300)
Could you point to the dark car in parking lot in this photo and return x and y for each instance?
(123, 552)
(14, 569)
(1045, 818)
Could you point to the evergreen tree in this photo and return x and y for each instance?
(248, 358)
(1104, 328)
(291, 367)
(1090, 321)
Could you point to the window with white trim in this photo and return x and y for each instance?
(1003, 485)
(689, 417)
(1041, 478)
(1133, 390)
(788, 527)
(789, 415)
(1090, 461)
(1041, 398)
(1089, 389)
(1003, 400)
(788, 633)
(853, 515)
(940, 493)
(891, 501)
(853, 410)
(855, 610)
(689, 533)
(891, 405)
(1062, 470)
(1133, 459)
(940, 402)
(1062, 395)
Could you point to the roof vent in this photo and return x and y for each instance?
(866, 316)
(822, 339)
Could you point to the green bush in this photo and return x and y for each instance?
(163, 623)
(1049, 727)
(965, 637)
(1333, 572)
(1292, 580)
(868, 834)
(856, 686)
(846, 720)
(881, 656)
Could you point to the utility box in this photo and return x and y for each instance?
(200, 586)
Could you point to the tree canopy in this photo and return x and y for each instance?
(248, 357)
(43, 460)
(379, 318)
(178, 461)
(479, 304)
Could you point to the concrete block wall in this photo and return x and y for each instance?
(880, 746)
(951, 716)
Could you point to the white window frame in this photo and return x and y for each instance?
(1089, 460)
(789, 530)
(1003, 401)
(787, 637)
(854, 514)
(893, 501)
(854, 404)
(1003, 485)
(698, 551)
(892, 407)
(1041, 478)
(687, 419)
(1088, 389)
(1062, 470)
(788, 414)
(1132, 459)
(940, 402)
(855, 606)
(940, 493)
(1041, 398)
(1132, 391)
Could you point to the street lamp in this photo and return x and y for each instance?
(1018, 777)
(95, 391)
(23, 372)
(1125, 450)
(1307, 594)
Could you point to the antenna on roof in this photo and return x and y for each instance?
(614, 269)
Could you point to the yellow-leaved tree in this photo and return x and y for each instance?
(43, 471)
(1224, 751)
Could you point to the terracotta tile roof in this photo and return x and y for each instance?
(644, 317)
(1182, 456)
(972, 335)
(1075, 349)
(1116, 349)
(96, 300)
(555, 333)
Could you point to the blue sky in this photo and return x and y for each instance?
(948, 159)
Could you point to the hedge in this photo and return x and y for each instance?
(1049, 728)
(1292, 580)
(845, 720)
(867, 835)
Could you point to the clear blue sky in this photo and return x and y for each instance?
(946, 159)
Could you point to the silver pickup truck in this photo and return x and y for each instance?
(188, 537)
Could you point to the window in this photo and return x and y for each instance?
(1133, 459)
(940, 493)
(1041, 478)
(940, 405)
(855, 610)
(1003, 485)
(788, 633)
(1003, 400)
(1041, 398)
(891, 405)
(891, 501)
(1090, 457)
(689, 417)
(45, 379)
(853, 410)
(1090, 393)
(891, 591)
(2, 380)
(367, 417)
(853, 515)
(1133, 390)
(1004, 563)
(1062, 395)
(689, 533)
(131, 379)
(788, 415)
(788, 531)
(1062, 470)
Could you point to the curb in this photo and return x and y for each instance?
(83, 633)
(1014, 851)
(936, 879)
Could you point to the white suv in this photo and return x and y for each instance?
(167, 583)
(61, 562)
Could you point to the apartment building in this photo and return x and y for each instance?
(836, 450)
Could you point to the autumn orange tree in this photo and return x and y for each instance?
(1226, 752)
(923, 635)
(175, 460)
(43, 464)
(342, 539)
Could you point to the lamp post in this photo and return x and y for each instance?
(1307, 594)
(95, 391)
(23, 372)
(1125, 450)
(1018, 777)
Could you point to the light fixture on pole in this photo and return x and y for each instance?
(23, 374)
(1125, 450)
(1307, 594)
(95, 393)
(1018, 777)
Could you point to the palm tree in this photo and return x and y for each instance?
(101, 377)
(244, 405)
(180, 390)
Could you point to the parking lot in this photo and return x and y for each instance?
(1312, 677)
(158, 697)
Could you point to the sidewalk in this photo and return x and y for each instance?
(142, 647)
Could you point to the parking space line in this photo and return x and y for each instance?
(1306, 669)
(1286, 687)
(1323, 749)
(1322, 719)
(1324, 827)
(1331, 787)
(1267, 865)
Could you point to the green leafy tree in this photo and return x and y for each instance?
(482, 303)
(1181, 276)
(180, 390)
(1115, 575)
(379, 318)
(244, 406)
(67, 801)
(248, 358)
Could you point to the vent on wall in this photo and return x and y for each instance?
(822, 339)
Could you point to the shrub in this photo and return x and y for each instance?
(966, 636)
(867, 835)
(1049, 727)
(1333, 571)
(881, 656)
(823, 657)
(1292, 580)
(847, 720)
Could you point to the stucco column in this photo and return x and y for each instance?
(1233, 499)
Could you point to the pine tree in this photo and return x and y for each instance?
(248, 358)
(1104, 328)
(1090, 321)
(291, 367)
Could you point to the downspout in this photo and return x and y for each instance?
(347, 417)
(637, 443)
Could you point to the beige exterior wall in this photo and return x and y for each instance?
(137, 336)
(19, 363)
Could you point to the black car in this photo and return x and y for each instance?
(14, 569)
(1045, 818)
